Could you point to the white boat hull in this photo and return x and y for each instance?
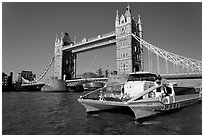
(97, 105)
(141, 109)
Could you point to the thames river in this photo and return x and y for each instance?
(53, 113)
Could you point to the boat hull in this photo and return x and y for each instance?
(150, 108)
(141, 109)
(97, 105)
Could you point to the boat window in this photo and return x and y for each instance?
(184, 91)
(158, 89)
(168, 90)
(142, 77)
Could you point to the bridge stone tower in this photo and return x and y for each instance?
(65, 61)
(129, 51)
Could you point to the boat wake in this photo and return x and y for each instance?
(146, 123)
(92, 115)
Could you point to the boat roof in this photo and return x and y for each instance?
(142, 72)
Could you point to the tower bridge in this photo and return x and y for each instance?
(130, 45)
(128, 49)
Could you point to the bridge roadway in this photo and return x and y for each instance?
(166, 76)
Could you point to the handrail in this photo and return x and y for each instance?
(100, 89)
(92, 92)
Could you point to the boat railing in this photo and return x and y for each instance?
(93, 94)
(112, 92)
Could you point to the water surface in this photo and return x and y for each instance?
(48, 113)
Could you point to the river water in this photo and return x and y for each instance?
(53, 113)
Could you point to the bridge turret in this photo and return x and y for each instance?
(66, 39)
(139, 27)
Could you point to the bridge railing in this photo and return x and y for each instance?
(108, 34)
(88, 79)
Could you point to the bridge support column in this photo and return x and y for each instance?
(167, 66)
(58, 59)
(128, 50)
(75, 59)
(158, 71)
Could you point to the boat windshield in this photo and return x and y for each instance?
(142, 77)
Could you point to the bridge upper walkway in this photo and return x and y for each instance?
(96, 42)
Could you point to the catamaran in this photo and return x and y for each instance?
(144, 93)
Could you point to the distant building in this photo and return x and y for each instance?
(7, 81)
(105, 73)
(28, 75)
(114, 72)
(99, 72)
(89, 75)
(4, 79)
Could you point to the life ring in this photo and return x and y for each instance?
(151, 94)
(175, 106)
(162, 107)
(179, 105)
(164, 100)
(167, 107)
(172, 106)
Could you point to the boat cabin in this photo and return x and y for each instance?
(170, 93)
(139, 82)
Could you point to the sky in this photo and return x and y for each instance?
(29, 31)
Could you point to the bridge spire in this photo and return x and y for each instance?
(117, 15)
(127, 12)
(139, 20)
(56, 40)
(117, 20)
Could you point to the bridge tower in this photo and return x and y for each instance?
(65, 60)
(129, 51)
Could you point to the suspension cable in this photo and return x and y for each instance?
(44, 72)
(179, 60)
